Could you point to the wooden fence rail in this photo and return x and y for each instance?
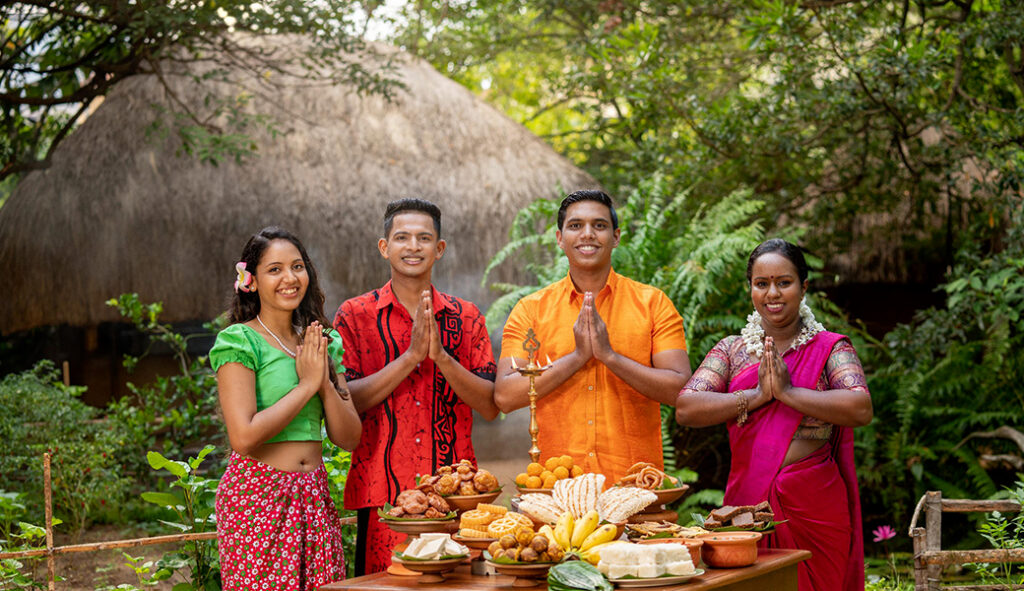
(929, 557)
(50, 551)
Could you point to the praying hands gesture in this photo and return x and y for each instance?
(773, 375)
(591, 333)
(426, 338)
(311, 355)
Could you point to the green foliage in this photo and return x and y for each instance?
(337, 463)
(17, 536)
(60, 56)
(855, 119)
(173, 413)
(43, 415)
(1004, 534)
(191, 499)
(952, 372)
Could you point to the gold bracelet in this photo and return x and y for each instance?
(741, 407)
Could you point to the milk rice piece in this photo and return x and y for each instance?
(649, 571)
(619, 571)
(681, 567)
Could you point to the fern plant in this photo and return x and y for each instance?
(953, 371)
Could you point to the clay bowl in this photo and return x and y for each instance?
(462, 503)
(432, 570)
(729, 549)
(415, 528)
(526, 575)
(523, 490)
(692, 544)
(668, 495)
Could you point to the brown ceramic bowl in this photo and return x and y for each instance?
(523, 490)
(729, 549)
(462, 503)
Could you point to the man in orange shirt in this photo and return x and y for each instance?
(618, 348)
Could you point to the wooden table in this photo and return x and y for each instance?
(774, 570)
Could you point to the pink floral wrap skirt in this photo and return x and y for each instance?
(276, 529)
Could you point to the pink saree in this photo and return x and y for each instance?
(817, 495)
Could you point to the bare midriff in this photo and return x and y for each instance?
(290, 456)
(801, 448)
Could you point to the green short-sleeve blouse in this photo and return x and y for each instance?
(275, 376)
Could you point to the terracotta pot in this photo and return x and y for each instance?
(729, 549)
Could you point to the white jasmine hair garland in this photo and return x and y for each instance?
(753, 332)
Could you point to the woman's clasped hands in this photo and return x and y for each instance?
(773, 381)
(311, 357)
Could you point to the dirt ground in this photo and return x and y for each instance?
(86, 571)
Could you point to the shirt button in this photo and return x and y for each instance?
(417, 440)
(417, 403)
(590, 422)
(591, 454)
(590, 387)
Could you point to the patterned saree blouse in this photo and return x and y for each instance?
(729, 357)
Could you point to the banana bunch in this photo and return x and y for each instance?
(583, 535)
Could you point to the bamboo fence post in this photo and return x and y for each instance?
(48, 499)
(67, 373)
(933, 535)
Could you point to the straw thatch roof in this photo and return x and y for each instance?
(119, 212)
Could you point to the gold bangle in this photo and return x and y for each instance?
(741, 407)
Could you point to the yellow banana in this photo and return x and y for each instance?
(584, 527)
(593, 554)
(601, 535)
(546, 531)
(563, 530)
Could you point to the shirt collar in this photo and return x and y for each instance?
(577, 295)
(386, 297)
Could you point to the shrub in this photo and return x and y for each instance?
(44, 415)
(175, 414)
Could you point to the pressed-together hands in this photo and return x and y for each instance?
(591, 333)
(773, 381)
(426, 338)
(311, 357)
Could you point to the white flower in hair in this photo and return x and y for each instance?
(753, 332)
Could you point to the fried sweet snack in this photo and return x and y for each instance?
(617, 504)
(484, 481)
(540, 507)
(473, 533)
(476, 518)
(503, 526)
(520, 518)
(497, 510)
(645, 475)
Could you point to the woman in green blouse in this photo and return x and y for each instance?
(279, 377)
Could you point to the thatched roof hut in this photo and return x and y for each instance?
(119, 212)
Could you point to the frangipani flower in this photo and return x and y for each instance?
(244, 281)
(884, 533)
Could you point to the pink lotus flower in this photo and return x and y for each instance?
(884, 533)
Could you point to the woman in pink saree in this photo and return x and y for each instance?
(790, 393)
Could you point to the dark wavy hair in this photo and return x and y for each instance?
(245, 305)
(794, 253)
(587, 195)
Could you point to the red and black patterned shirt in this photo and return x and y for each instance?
(423, 424)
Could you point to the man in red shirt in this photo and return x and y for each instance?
(418, 362)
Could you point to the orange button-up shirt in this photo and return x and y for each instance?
(595, 417)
